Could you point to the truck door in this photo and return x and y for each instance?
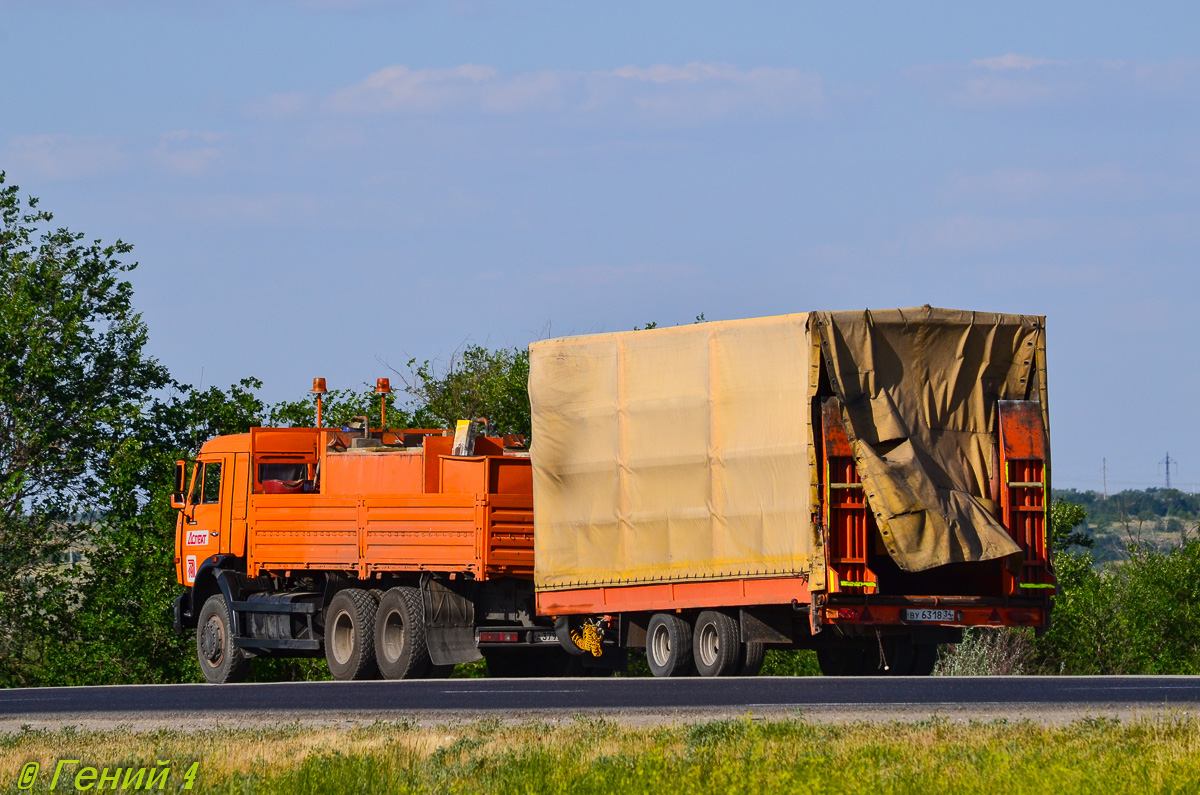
(206, 517)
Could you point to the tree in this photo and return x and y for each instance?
(339, 407)
(1065, 516)
(478, 383)
(122, 629)
(73, 370)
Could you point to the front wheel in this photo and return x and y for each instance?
(220, 660)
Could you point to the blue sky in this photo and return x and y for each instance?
(322, 188)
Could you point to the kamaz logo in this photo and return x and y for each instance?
(197, 538)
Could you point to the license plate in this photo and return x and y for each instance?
(928, 614)
(545, 637)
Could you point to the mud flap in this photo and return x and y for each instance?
(449, 621)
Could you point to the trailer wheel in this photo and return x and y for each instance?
(350, 635)
(842, 661)
(925, 657)
(400, 648)
(220, 660)
(901, 655)
(668, 645)
(753, 654)
(716, 646)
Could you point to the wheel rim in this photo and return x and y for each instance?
(212, 641)
(660, 645)
(709, 644)
(342, 637)
(392, 643)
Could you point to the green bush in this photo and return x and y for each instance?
(1138, 616)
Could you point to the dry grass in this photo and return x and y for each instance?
(595, 755)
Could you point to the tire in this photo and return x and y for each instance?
(350, 635)
(400, 646)
(716, 644)
(669, 645)
(842, 661)
(220, 661)
(925, 657)
(901, 655)
(753, 654)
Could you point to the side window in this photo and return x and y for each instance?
(212, 482)
(197, 483)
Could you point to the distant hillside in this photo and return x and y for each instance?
(1162, 518)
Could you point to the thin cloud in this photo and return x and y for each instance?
(1016, 80)
(1012, 61)
(65, 157)
(1024, 185)
(694, 91)
(187, 152)
(398, 88)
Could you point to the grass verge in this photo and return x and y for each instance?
(587, 755)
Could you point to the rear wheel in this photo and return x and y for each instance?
(925, 656)
(220, 660)
(350, 635)
(400, 649)
(901, 656)
(753, 654)
(668, 645)
(842, 660)
(716, 645)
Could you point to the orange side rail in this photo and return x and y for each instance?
(850, 523)
(1024, 496)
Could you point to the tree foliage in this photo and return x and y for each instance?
(477, 383)
(73, 374)
(1138, 617)
(122, 630)
(339, 408)
(1065, 518)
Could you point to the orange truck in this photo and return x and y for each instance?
(865, 484)
(377, 546)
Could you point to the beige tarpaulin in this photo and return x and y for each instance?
(672, 454)
(919, 390)
(685, 453)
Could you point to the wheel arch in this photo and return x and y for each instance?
(212, 578)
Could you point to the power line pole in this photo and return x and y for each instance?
(1167, 462)
(1105, 477)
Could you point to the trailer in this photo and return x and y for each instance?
(865, 484)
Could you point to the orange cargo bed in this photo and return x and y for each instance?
(396, 510)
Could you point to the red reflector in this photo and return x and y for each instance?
(847, 614)
(499, 637)
(1022, 616)
(866, 615)
(994, 618)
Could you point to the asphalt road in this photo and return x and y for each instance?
(525, 695)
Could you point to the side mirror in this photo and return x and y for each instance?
(177, 495)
